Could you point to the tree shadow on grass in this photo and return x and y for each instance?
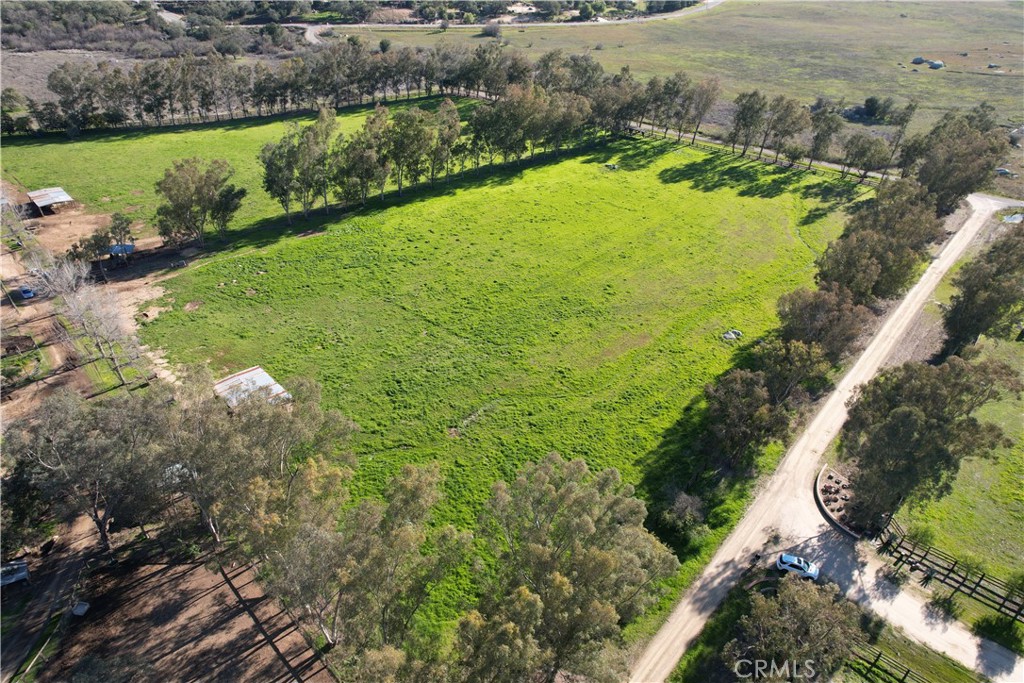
(684, 461)
(833, 195)
(1001, 629)
(724, 171)
(267, 231)
(629, 154)
(752, 178)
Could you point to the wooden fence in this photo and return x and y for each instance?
(949, 571)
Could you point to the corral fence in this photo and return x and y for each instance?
(949, 571)
(892, 669)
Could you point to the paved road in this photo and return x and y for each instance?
(785, 510)
(313, 31)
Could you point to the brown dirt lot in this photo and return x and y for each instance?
(189, 624)
(26, 72)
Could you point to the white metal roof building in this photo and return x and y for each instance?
(50, 196)
(236, 388)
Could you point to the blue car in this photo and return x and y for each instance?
(26, 292)
(797, 565)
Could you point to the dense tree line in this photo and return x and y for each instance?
(989, 294)
(309, 163)
(197, 89)
(912, 426)
(956, 157)
(952, 160)
(885, 241)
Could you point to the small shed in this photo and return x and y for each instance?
(236, 388)
(122, 250)
(52, 198)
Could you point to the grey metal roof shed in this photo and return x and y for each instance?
(236, 388)
(50, 196)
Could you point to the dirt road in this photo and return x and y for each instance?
(785, 510)
(50, 585)
(313, 31)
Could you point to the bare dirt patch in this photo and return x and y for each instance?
(192, 306)
(59, 231)
(35, 318)
(922, 342)
(26, 72)
(391, 16)
(13, 192)
(190, 624)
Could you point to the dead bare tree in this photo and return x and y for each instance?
(93, 311)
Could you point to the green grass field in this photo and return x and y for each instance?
(111, 172)
(845, 50)
(563, 307)
(558, 305)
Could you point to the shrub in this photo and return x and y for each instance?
(685, 512)
(492, 29)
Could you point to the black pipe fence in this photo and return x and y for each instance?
(942, 567)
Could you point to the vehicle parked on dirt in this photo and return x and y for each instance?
(13, 572)
(801, 567)
(26, 292)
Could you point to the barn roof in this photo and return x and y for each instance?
(237, 387)
(49, 196)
